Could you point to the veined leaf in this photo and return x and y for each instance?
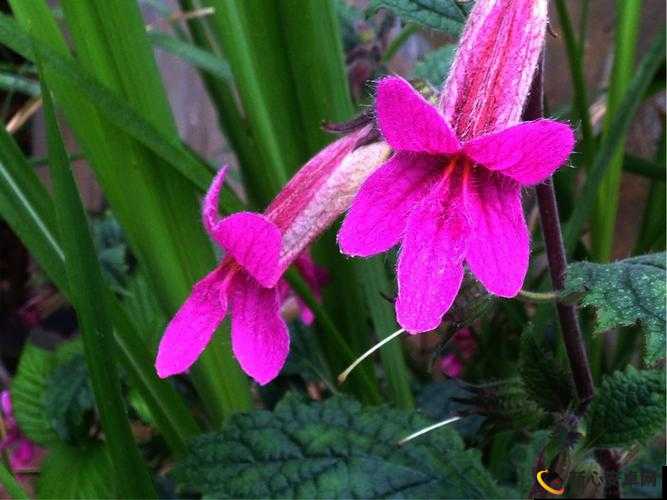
(625, 293)
(629, 408)
(83, 472)
(447, 16)
(332, 449)
(28, 389)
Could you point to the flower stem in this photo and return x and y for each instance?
(553, 240)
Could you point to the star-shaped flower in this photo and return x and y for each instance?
(451, 193)
(258, 250)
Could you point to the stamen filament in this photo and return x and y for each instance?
(428, 429)
(348, 370)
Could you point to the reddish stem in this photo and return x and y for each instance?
(553, 240)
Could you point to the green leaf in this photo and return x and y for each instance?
(83, 472)
(86, 288)
(447, 16)
(192, 54)
(546, 379)
(625, 293)
(434, 67)
(629, 408)
(29, 388)
(10, 483)
(68, 400)
(332, 449)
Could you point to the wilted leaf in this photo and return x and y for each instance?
(625, 293)
(447, 16)
(334, 449)
(629, 408)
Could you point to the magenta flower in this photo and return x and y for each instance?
(451, 193)
(259, 249)
(24, 454)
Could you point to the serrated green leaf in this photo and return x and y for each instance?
(546, 379)
(447, 16)
(434, 67)
(68, 400)
(625, 293)
(28, 388)
(83, 472)
(629, 408)
(332, 449)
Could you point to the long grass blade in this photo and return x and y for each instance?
(618, 128)
(86, 285)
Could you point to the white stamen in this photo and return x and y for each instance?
(428, 429)
(344, 375)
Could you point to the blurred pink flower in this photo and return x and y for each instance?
(24, 455)
(259, 249)
(464, 348)
(451, 193)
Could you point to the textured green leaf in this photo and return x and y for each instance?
(447, 16)
(68, 400)
(29, 387)
(546, 379)
(625, 293)
(332, 449)
(434, 67)
(70, 472)
(629, 408)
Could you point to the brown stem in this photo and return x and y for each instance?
(553, 240)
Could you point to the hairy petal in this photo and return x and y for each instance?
(303, 209)
(210, 215)
(430, 265)
(494, 65)
(376, 221)
(410, 123)
(260, 340)
(498, 247)
(528, 152)
(254, 242)
(191, 329)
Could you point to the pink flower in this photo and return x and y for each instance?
(24, 455)
(259, 249)
(464, 348)
(451, 193)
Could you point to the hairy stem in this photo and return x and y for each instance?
(553, 240)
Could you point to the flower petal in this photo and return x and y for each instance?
(528, 152)
(498, 247)
(260, 340)
(254, 243)
(409, 122)
(210, 214)
(430, 265)
(191, 329)
(378, 215)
